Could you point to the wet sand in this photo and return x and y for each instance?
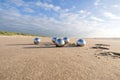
(20, 59)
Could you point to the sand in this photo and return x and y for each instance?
(20, 59)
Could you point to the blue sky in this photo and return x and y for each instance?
(74, 18)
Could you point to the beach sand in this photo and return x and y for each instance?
(20, 59)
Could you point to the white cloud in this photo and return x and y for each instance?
(97, 2)
(69, 17)
(115, 6)
(84, 14)
(18, 2)
(82, 11)
(28, 10)
(38, 3)
(111, 15)
(96, 19)
(48, 6)
(49, 1)
(73, 7)
(108, 29)
(13, 12)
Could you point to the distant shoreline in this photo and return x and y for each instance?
(8, 33)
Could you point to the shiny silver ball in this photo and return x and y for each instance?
(59, 42)
(81, 42)
(66, 40)
(54, 39)
(37, 40)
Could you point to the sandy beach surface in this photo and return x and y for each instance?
(20, 59)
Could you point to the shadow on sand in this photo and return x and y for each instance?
(32, 47)
(28, 44)
(19, 44)
(41, 45)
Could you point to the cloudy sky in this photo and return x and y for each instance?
(74, 18)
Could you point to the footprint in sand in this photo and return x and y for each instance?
(101, 46)
(110, 53)
(102, 52)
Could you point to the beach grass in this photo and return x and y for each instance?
(6, 33)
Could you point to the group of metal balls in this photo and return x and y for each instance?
(60, 42)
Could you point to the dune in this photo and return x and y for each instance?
(20, 59)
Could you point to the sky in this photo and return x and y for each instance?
(72, 18)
